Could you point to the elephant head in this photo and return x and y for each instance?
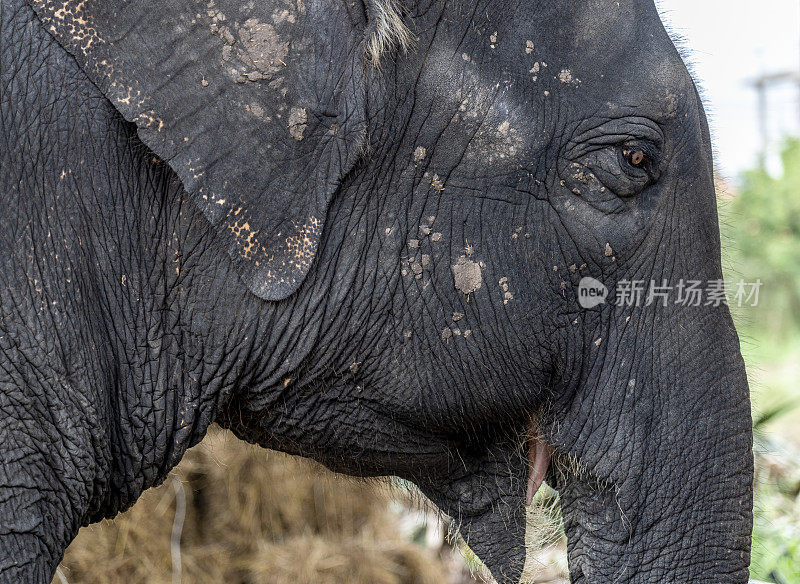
(392, 209)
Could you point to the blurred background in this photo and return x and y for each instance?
(235, 513)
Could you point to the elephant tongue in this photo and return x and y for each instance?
(539, 453)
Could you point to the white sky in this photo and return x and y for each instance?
(729, 42)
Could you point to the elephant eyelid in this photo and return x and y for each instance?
(621, 156)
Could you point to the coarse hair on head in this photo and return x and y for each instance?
(386, 30)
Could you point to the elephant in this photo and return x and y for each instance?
(356, 231)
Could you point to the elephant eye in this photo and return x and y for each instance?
(638, 156)
(634, 157)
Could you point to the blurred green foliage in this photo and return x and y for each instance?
(761, 235)
(776, 532)
(760, 225)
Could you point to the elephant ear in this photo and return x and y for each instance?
(258, 106)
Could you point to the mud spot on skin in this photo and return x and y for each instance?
(227, 36)
(255, 49)
(419, 154)
(467, 275)
(298, 122)
(437, 183)
(258, 112)
(528, 47)
(567, 77)
(504, 143)
(457, 316)
(264, 48)
(413, 244)
(608, 251)
(581, 174)
(447, 334)
(507, 296)
(671, 106)
(436, 237)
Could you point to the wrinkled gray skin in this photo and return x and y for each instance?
(126, 328)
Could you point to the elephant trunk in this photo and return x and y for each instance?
(654, 461)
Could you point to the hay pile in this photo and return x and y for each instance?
(254, 516)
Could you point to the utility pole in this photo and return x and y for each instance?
(761, 84)
(761, 93)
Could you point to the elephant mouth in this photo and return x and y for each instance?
(486, 498)
(539, 454)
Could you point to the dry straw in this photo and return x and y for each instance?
(253, 516)
(236, 513)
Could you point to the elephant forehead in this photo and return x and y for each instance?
(601, 22)
(622, 41)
